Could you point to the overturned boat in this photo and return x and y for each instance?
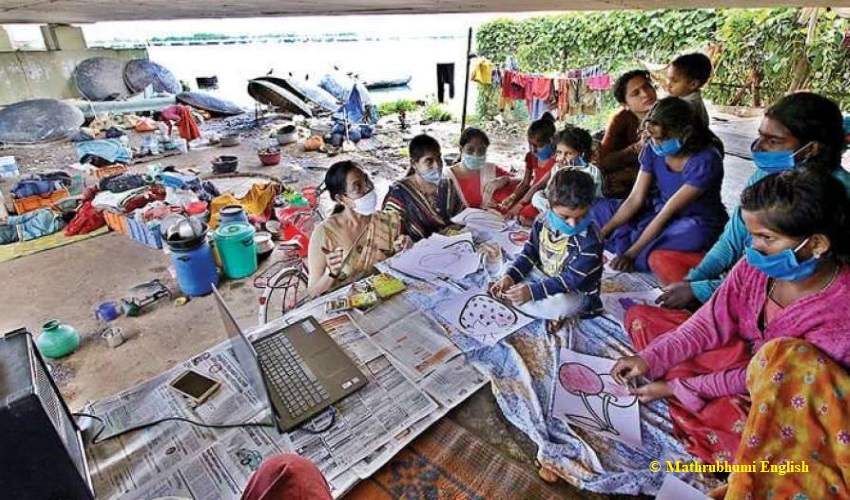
(101, 79)
(266, 92)
(210, 103)
(389, 83)
(139, 73)
(39, 120)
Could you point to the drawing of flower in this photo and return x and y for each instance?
(843, 437)
(582, 381)
(712, 437)
(778, 376)
(753, 441)
(823, 409)
(787, 432)
(738, 426)
(798, 402)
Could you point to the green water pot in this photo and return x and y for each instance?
(57, 340)
(235, 245)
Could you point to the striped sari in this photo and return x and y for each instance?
(420, 215)
(374, 244)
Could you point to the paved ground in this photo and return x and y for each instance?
(67, 283)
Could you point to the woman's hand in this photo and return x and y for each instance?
(652, 391)
(491, 187)
(623, 263)
(628, 368)
(676, 296)
(334, 260)
(403, 242)
(498, 288)
(519, 294)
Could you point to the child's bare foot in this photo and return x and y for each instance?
(552, 326)
(548, 475)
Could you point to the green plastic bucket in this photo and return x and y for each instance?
(235, 245)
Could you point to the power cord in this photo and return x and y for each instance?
(307, 426)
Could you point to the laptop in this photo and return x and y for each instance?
(298, 370)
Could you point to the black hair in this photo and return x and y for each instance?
(800, 203)
(696, 65)
(576, 138)
(571, 188)
(419, 146)
(813, 117)
(677, 117)
(470, 133)
(623, 82)
(335, 181)
(543, 128)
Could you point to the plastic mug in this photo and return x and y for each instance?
(106, 311)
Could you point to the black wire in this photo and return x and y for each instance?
(94, 440)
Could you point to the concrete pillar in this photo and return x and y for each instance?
(63, 37)
(5, 41)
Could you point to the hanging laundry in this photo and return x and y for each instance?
(445, 76)
(482, 72)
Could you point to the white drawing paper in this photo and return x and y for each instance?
(439, 257)
(586, 395)
(617, 303)
(478, 314)
(674, 488)
(512, 240)
(482, 220)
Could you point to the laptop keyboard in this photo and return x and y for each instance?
(289, 375)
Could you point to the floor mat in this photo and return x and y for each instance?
(13, 251)
(448, 462)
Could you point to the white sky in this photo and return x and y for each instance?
(410, 25)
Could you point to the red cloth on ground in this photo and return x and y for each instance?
(87, 220)
(716, 431)
(188, 126)
(671, 266)
(287, 477)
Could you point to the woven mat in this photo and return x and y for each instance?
(448, 462)
(22, 249)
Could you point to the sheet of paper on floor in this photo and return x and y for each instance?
(628, 282)
(586, 395)
(477, 314)
(616, 303)
(674, 488)
(417, 342)
(485, 221)
(452, 382)
(439, 257)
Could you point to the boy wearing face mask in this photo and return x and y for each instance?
(346, 246)
(558, 273)
(424, 198)
(573, 150)
(479, 183)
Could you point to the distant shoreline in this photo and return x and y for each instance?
(203, 40)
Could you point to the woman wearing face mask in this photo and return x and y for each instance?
(425, 199)
(346, 246)
(788, 301)
(623, 141)
(478, 182)
(538, 164)
(573, 149)
(675, 203)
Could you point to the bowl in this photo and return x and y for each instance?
(230, 139)
(264, 243)
(225, 164)
(287, 135)
(273, 227)
(269, 159)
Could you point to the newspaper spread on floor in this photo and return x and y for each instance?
(182, 460)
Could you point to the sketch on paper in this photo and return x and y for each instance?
(586, 395)
(478, 315)
(439, 257)
(482, 220)
(617, 303)
(512, 241)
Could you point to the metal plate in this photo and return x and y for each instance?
(101, 79)
(139, 73)
(38, 120)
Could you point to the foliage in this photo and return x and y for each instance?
(437, 113)
(771, 39)
(391, 107)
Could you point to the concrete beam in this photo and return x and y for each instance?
(63, 37)
(5, 41)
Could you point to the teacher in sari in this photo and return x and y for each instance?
(346, 246)
(425, 199)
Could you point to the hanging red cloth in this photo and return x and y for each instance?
(187, 125)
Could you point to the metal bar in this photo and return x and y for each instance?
(466, 80)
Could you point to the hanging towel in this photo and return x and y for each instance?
(187, 125)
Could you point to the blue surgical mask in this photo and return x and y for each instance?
(557, 223)
(771, 162)
(666, 148)
(545, 152)
(432, 176)
(473, 162)
(782, 265)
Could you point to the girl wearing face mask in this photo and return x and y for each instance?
(786, 302)
(675, 203)
(478, 182)
(425, 199)
(573, 150)
(346, 246)
(538, 163)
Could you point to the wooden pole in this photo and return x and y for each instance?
(466, 80)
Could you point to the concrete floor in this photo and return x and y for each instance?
(68, 282)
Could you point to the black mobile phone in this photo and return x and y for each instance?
(195, 386)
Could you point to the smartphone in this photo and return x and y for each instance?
(195, 386)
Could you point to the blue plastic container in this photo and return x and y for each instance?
(196, 271)
(232, 214)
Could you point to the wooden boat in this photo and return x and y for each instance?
(402, 81)
(39, 120)
(266, 92)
